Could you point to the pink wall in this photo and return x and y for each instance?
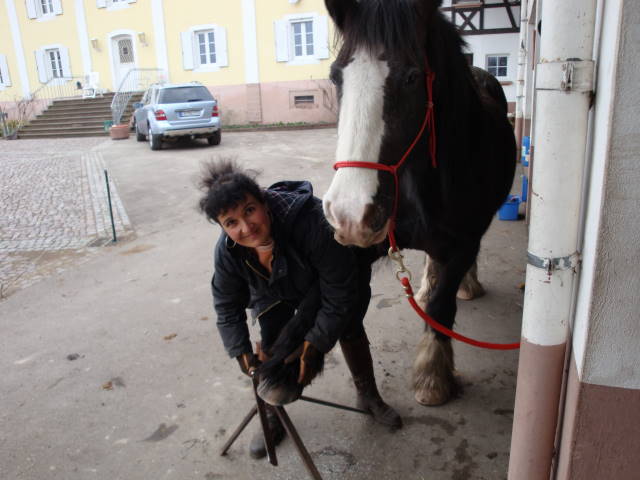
(277, 102)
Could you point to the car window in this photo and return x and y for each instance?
(184, 95)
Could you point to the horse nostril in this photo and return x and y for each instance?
(374, 217)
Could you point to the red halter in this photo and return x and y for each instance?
(428, 122)
(394, 254)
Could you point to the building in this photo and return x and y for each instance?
(265, 61)
(491, 29)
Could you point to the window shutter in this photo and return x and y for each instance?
(43, 74)
(321, 36)
(57, 7)
(222, 59)
(187, 50)
(64, 58)
(31, 9)
(4, 68)
(282, 40)
(101, 3)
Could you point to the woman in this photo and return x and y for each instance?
(277, 255)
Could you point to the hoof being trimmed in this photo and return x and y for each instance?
(279, 395)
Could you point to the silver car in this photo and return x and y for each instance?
(168, 112)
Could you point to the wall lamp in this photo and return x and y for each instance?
(95, 44)
(142, 38)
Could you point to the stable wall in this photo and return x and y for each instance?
(601, 424)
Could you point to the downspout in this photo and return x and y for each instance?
(522, 67)
(564, 81)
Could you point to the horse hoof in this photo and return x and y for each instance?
(432, 398)
(279, 395)
(469, 292)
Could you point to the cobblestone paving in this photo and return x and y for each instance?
(52, 199)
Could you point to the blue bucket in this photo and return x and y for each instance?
(509, 209)
(524, 189)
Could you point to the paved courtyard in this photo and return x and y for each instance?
(112, 367)
(53, 200)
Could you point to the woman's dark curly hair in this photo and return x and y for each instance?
(225, 185)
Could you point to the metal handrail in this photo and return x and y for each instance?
(136, 80)
(54, 88)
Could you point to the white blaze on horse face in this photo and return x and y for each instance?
(360, 131)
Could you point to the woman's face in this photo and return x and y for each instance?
(248, 223)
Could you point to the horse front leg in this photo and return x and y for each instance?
(433, 379)
(470, 287)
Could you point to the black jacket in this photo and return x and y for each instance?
(305, 252)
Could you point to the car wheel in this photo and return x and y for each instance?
(141, 137)
(215, 138)
(155, 140)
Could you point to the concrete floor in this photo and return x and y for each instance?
(113, 369)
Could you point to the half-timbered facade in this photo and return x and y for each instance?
(491, 29)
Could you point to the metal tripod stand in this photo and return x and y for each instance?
(261, 409)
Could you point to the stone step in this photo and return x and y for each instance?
(71, 118)
(62, 135)
(67, 122)
(60, 129)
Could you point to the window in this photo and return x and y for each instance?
(302, 38)
(114, 4)
(206, 47)
(46, 6)
(302, 101)
(43, 9)
(184, 95)
(54, 63)
(497, 65)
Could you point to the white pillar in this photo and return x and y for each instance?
(251, 61)
(564, 82)
(160, 37)
(17, 45)
(83, 36)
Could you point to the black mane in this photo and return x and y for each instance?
(387, 24)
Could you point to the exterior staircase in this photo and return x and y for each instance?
(76, 117)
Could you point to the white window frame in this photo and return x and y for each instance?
(191, 48)
(5, 78)
(36, 11)
(303, 34)
(207, 51)
(498, 66)
(53, 59)
(285, 39)
(111, 5)
(44, 67)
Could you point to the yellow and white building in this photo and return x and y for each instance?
(265, 60)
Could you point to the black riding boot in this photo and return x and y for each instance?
(358, 356)
(257, 447)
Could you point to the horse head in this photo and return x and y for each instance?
(379, 74)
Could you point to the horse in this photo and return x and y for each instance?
(401, 61)
(398, 60)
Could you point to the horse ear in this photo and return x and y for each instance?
(339, 9)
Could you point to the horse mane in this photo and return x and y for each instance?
(389, 25)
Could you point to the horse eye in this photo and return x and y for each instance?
(412, 76)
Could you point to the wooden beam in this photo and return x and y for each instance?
(510, 13)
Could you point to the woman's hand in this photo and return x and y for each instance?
(310, 360)
(248, 363)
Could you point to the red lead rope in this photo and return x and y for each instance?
(428, 122)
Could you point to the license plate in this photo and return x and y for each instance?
(189, 113)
